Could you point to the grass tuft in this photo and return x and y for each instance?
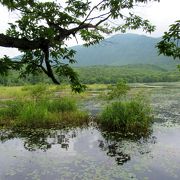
(129, 115)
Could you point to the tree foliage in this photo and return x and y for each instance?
(169, 46)
(43, 28)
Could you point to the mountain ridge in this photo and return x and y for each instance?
(123, 49)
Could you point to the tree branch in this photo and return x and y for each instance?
(101, 21)
(95, 7)
(49, 71)
(96, 17)
(23, 43)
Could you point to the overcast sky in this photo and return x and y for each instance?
(160, 14)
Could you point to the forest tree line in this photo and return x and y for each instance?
(102, 75)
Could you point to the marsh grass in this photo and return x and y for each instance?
(97, 86)
(32, 114)
(64, 104)
(37, 92)
(130, 113)
(38, 107)
(43, 113)
(12, 108)
(12, 92)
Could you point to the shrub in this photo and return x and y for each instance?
(129, 115)
(118, 91)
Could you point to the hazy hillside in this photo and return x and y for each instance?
(123, 49)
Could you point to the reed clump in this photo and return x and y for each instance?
(127, 112)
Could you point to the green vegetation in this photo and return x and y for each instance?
(126, 113)
(103, 75)
(53, 106)
(169, 45)
(132, 115)
(42, 30)
(38, 108)
(130, 73)
(118, 91)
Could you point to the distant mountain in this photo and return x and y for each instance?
(123, 49)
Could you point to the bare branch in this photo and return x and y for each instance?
(96, 17)
(101, 21)
(95, 7)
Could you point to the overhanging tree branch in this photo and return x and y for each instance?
(95, 7)
(103, 20)
(21, 43)
(48, 66)
(43, 33)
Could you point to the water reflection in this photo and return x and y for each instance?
(113, 150)
(86, 153)
(110, 143)
(39, 139)
(113, 144)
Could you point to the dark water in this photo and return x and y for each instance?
(88, 153)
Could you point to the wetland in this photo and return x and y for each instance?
(89, 152)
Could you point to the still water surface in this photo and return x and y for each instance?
(89, 153)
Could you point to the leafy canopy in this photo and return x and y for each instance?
(169, 46)
(43, 28)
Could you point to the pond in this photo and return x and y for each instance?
(90, 153)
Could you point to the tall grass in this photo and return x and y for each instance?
(131, 115)
(32, 114)
(11, 92)
(64, 104)
(40, 109)
(126, 111)
(42, 113)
